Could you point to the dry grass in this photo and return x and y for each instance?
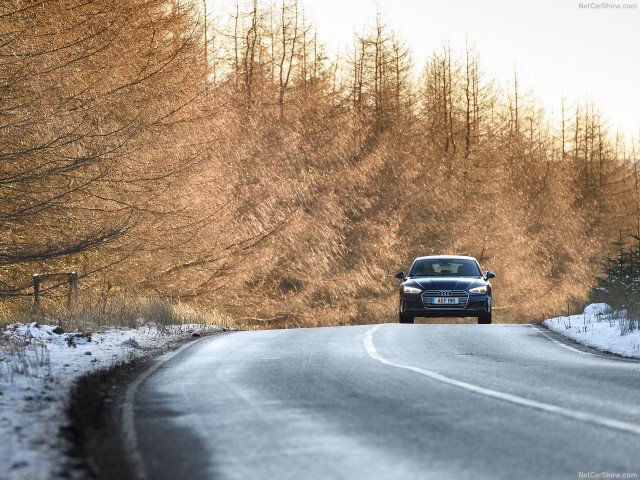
(129, 312)
(23, 357)
(30, 357)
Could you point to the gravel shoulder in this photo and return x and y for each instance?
(95, 414)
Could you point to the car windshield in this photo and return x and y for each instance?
(445, 267)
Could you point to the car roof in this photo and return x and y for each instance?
(435, 257)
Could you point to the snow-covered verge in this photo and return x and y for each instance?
(38, 367)
(599, 327)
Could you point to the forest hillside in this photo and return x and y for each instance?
(222, 159)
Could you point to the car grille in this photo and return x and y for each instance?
(461, 295)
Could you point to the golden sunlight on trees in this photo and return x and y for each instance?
(162, 147)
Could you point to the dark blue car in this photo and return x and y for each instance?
(445, 286)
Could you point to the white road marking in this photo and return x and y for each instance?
(542, 331)
(370, 348)
(128, 424)
(548, 337)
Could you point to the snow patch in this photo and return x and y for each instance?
(601, 328)
(38, 366)
(597, 309)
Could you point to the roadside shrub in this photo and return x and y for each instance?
(619, 283)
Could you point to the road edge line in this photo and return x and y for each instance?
(129, 435)
(548, 337)
(367, 342)
(595, 351)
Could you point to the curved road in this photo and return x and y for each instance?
(386, 402)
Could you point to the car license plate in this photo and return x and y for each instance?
(444, 301)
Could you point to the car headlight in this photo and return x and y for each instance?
(407, 289)
(479, 290)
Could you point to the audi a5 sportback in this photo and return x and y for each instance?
(445, 286)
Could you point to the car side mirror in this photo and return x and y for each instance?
(400, 276)
(490, 275)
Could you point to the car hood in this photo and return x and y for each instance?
(448, 283)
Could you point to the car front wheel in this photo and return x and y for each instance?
(485, 318)
(405, 318)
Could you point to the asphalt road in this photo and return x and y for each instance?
(387, 402)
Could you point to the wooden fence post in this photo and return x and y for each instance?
(36, 291)
(73, 290)
(69, 278)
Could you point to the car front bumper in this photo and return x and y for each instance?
(415, 305)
